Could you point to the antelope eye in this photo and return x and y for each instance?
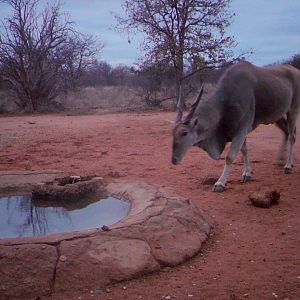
(184, 133)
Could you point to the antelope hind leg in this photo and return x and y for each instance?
(291, 120)
(247, 174)
(283, 126)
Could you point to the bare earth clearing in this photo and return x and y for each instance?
(255, 252)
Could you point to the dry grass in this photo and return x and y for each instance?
(106, 98)
(98, 99)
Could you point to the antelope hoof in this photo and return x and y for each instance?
(218, 188)
(287, 170)
(246, 178)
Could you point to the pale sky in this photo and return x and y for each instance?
(270, 28)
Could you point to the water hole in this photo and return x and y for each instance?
(20, 216)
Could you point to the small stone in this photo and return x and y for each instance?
(105, 228)
(62, 258)
(190, 295)
(114, 174)
(124, 287)
(274, 295)
(166, 269)
(98, 291)
(167, 297)
(108, 290)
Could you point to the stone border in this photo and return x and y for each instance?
(161, 230)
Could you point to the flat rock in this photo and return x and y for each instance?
(161, 229)
(102, 261)
(13, 181)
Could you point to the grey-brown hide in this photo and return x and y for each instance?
(245, 97)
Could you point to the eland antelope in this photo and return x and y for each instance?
(245, 96)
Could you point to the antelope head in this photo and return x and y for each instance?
(187, 131)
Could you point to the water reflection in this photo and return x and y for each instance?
(21, 217)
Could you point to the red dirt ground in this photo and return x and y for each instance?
(255, 252)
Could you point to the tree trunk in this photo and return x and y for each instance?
(179, 78)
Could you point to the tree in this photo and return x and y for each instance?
(77, 57)
(180, 31)
(97, 73)
(154, 83)
(37, 49)
(294, 61)
(122, 75)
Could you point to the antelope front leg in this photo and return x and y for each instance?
(247, 174)
(235, 147)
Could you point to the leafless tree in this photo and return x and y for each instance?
(78, 56)
(96, 74)
(36, 49)
(180, 31)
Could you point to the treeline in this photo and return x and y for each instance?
(43, 56)
(294, 61)
(154, 84)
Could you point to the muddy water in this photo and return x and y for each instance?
(22, 217)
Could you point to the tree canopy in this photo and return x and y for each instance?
(180, 32)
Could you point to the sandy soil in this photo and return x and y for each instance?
(255, 252)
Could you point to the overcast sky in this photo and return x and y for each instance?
(270, 28)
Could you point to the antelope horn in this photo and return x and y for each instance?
(180, 106)
(194, 105)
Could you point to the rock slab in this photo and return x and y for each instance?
(160, 230)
